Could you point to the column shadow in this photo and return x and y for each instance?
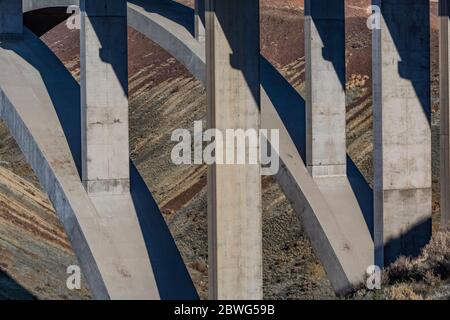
(291, 107)
(10, 289)
(405, 23)
(333, 12)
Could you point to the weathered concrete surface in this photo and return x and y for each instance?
(402, 156)
(10, 17)
(444, 59)
(325, 87)
(112, 253)
(326, 155)
(234, 191)
(104, 96)
(200, 31)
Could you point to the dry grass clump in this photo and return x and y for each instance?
(424, 277)
(401, 291)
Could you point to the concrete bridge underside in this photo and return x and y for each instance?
(333, 226)
(337, 211)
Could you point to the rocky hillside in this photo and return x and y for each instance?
(163, 97)
(34, 251)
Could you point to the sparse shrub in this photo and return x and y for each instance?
(401, 291)
(404, 269)
(436, 255)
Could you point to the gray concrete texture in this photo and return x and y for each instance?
(234, 191)
(340, 237)
(199, 23)
(325, 87)
(444, 59)
(104, 96)
(402, 130)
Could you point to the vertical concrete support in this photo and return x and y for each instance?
(325, 87)
(11, 21)
(200, 32)
(234, 191)
(104, 96)
(444, 59)
(402, 155)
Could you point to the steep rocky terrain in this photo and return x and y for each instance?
(164, 97)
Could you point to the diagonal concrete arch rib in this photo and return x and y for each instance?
(337, 212)
(114, 238)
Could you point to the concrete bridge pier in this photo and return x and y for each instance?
(444, 59)
(200, 32)
(402, 155)
(11, 20)
(234, 191)
(126, 266)
(325, 87)
(344, 219)
(104, 96)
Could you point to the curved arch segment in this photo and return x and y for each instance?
(283, 108)
(31, 5)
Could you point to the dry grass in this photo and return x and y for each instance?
(425, 277)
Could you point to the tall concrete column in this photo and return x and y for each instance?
(325, 87)
(104, 96)
(200, 32)
(402, 135)
(234, 191)
(444, 59)
(11, 21)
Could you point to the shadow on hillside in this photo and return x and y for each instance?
(11, 290)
